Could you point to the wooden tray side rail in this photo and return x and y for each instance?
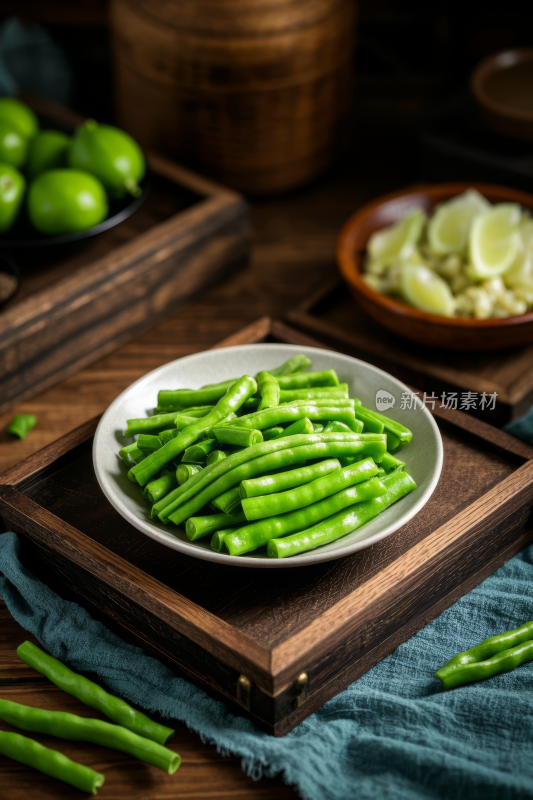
(278, 673)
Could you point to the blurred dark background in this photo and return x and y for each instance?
(413, 60)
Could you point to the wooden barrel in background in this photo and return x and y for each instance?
(252, 92)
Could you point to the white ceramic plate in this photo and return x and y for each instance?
(423, 455)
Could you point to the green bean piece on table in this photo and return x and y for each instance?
(21, 425)
(50, 762)
(106, 734)
(493, 656)
(92, 694)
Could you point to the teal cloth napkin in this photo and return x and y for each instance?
(392, 734)
(522, 427)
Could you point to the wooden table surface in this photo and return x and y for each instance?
(294, 246)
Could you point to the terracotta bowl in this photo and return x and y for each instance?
(502, 85)
(419, 326)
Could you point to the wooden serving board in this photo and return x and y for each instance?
(274, 645)
(83, 305)
(332, 314)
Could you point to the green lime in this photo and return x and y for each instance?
(20, 115)
(13, 146)
(397, 240)
(110, 154)
(12, 188)
(425, 290)
(449, 227)
(521, 270)
(66, 201)
(48, 150)
(495, 241)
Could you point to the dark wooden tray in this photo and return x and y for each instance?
(83, 304)
(331, 313)
(274, 645)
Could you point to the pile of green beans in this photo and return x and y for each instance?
(285, 460)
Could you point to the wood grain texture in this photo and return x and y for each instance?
(332, 314)
(255, 95)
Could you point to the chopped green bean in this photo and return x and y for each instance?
(271, 417)
(212, 392)
(305, 380)
(397, 486)
(371, 424)
(236, 395)
(271, 505)
(317, 427)
(185, 471)
(217, 542)
(181, 398)
(356, 426)
(228, 502)
(167, 435)
(269, 390)
(329, 401)
(192, 411)
(316, 393)
(375, 445)
(280, 482)
(21, 425)
(399, 432)
(148, 443)
(216, 456)
(161, 486)
(302, 425)
(131, 455)
(81, 729)
(160, 422)
(295, 364)
(50, 762)
(390, 462)
(393, 442)
(272, 433)
(341, 427)
(242, 437)
(197, 527)
(198, 453)
(489, 647)
(93, 695)
(256, 534)
(502, 661)
(256, 466)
